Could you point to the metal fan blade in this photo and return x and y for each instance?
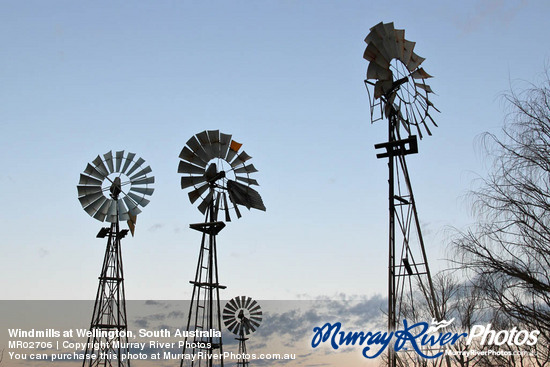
(249, 181)
(143, 172)
(136, 165)
(88, 199)
(226, 208)
(234, 303)
(372, 54)
(112, 209)
(187, 181)
(233, 327)
(214, 137)
(233, 149)
(102, 211)
(420, 73)
(400, 43)
(140, 200)
(128, 161)
(241, 158)
(206, 202)
(415, 62)
(188, 155)
(198, 148)
(225, 140)
(244, 195)
(118, 159)
(246, 302)
(375, 71)
(122, 211)
(91, 171)
(246, 169)
(109, 160)
(426, 87)
(87, 180)
(143, 190)
(100, 166)
(195, 194)
(87, 190)
(144, 181)
(133, 208)
(185, 167)
(95, 205)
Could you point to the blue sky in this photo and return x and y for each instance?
(285, 78)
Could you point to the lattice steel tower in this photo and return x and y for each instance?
(400, 94)
(218, 174)
(111, 189)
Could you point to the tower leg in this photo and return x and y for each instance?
(108, 338)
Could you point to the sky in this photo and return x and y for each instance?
(285, 78)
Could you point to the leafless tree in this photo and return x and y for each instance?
(507, 251)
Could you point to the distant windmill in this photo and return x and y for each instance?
(220, 180)
(242, 316)
(399, 94)
(112, 188)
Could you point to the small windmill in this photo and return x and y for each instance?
(242, 316)
(112, 188)
(219, 179)
(400, 94)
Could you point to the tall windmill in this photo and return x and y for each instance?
(242, 316)
(111, 189)
(219, 179)
(400, 94)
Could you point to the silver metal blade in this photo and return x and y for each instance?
(214, 137)
(109, 160)
(225, 140)
(140, 200)
(136, 165)
(195, 194)
(206, 202)
(88, 199)
(87, 180)
(144, 181)
(87, 190)
(187, 181)
(241, 158)
(188, 155)
(249, 181)
(95, 205)
(415, 61)
(133, 208)
(112, 209)
(102, 211)
(233, 149)
(226, 208)
(122, 211)
(198, 148)
(203, 138)
(91, 171)
(143, 172)
(246, 169)
(143, 190)
(185, 167)
(100, 166)
(128, 161)
(118, 159)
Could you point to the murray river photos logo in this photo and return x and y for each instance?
(419, 337)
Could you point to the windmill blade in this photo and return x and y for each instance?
(198, 148)
(91, 171)
(241, 158)
(140, 200)
(144, 181)
(217, 206)
(415, 62)
(375, 71)
(187, 181)
(100, 166)
(206, 202)
(233, 149)
(143, 172)
(87, 180)
(95, 205)
(127, 162)
(225, 140)
(143, 190)
(118, 159)
(89, 199)
(109, 160)
(88, 190)
(425, 87)
(132, 206)
(102, 211)
(195, 194)
(226, 208)
(246, 169)
(185, 167)
(420, 73)
(122, 211)
(136, 165)
(214, 137)
(249, 181)
(189, 156)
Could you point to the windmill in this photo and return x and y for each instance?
(111, 189)
(400, 94)
(242, 316)
(219, 179)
